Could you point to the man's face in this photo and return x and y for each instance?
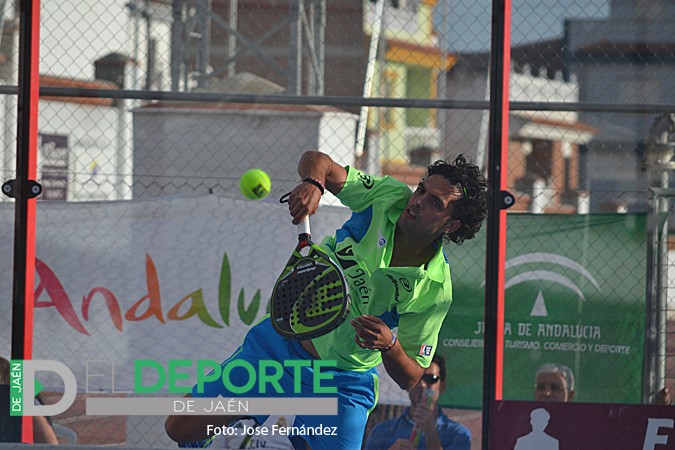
(430, 379)
(552, 387)
(429, 209)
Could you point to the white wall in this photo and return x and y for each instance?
(92, 133)
(181, 150)
(75, 33)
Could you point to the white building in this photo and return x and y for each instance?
(85, 143)
(544, 163)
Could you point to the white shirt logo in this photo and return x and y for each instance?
(381, 241)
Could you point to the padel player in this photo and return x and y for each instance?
(392, 255)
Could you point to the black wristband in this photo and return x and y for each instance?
(316, 183)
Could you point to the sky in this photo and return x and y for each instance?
(532, 20)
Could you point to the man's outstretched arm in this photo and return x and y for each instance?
(322, 167)
(321, 172)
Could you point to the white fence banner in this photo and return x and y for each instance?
(175, 278)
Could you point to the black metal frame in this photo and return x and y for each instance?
(494, 258)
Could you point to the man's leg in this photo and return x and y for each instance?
(357, 396)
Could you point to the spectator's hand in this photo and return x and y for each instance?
(402, 444)
(303, 201)
(371, 332)
(424, 418)
(664, 397)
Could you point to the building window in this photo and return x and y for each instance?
(423, 156)
(539, 162)
(418, 86)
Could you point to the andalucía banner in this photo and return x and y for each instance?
(168, 279)
(574, 295)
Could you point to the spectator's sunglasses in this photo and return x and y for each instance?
(429, 378)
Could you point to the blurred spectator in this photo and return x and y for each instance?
(43, 433)
(664, 397)
(554, 383)
(423, 418)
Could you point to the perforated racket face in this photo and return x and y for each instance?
(310, 298)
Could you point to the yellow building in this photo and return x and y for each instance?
(409, 64)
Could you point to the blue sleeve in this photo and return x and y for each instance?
(377, 439)
(456, 438)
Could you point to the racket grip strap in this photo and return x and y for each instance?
(391, 344)
(315, 182)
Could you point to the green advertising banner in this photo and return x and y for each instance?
(574, 294)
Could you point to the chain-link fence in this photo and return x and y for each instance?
(150, 110)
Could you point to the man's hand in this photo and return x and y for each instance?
(402, 444)
(303, 201)
(371, 332)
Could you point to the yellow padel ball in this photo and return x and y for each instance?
(255, 184)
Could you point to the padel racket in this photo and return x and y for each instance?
(311, 297)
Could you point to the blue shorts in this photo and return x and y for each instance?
(356, 391)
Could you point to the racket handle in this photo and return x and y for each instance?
(303, 226)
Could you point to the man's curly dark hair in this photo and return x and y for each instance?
(471, 207)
